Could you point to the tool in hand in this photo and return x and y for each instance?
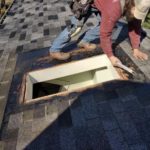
(122, 66)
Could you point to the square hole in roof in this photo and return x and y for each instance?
(67, 78)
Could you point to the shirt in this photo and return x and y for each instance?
(110, 13)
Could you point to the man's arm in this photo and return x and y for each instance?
(106, 28)
(110, 14)
(134, 28)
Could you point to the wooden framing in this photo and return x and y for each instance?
(100, 67)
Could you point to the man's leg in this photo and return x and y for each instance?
(90, 36)
(62, 39)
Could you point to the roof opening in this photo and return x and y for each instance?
(68, 77)
(44, 89)
(67, 83)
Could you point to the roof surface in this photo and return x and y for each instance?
(112, 116)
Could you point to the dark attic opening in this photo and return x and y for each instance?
(44, 89)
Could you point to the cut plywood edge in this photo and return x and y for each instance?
(74, 75)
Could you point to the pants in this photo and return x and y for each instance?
(64, 37)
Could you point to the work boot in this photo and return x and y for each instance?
(87, 46)
(59, 55)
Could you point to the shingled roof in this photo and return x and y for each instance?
(112, 116)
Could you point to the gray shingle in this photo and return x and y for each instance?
(89, 106)
(139, 147)
(129, 129)
(109, 122)
(67, 139)
(39, 112)
(15, 121)
(116, 140)
(116, 105)
(78, 118)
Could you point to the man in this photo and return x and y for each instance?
(111, 11)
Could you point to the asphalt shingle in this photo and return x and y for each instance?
(113, 116)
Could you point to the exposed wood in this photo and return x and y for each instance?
(123, 75)
(65, 93)
(73, 68)
(4, 10)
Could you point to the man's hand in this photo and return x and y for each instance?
(114, 60)
(139, 54)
